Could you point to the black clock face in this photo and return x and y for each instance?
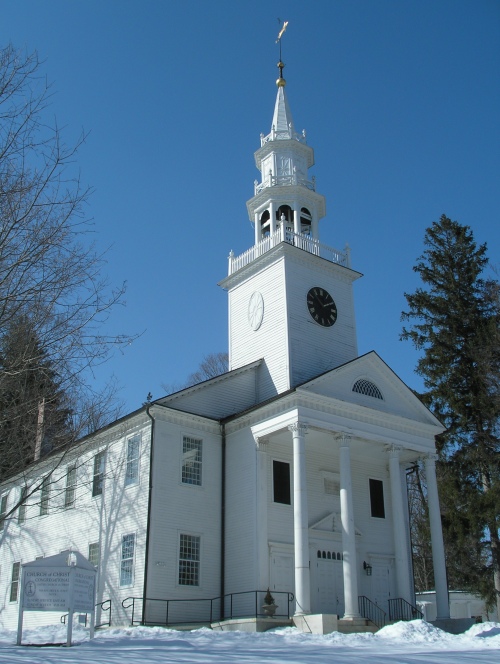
(321, 306)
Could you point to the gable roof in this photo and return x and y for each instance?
(393, 395)
(218, 397)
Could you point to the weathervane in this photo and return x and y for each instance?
(281, 81)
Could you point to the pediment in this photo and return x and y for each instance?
(331, 523)
(369, 382)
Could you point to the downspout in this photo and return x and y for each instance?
(148, 522)
(223, 519)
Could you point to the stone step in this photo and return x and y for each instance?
(356, 625)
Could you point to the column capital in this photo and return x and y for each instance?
(298, 427)
(393, 450)
(432, 456)
(261, 442)
(343, 438)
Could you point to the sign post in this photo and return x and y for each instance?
(65, 582)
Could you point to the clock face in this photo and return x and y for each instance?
(255, 310)
(321, 306)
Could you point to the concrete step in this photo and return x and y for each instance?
(356, 626)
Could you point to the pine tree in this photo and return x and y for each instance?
(34, 409)
(454, 320)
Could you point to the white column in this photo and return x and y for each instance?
(258, 229)
(315, 224)
(272, 217)
(438, 558)
(296, 221)
(399, 527)
(300, 521)
(348, 531)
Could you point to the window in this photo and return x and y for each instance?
(189, 560)
(3, 509)
(127, 562)
(94, 554)
(281, 482)
(363, 386)
(70, 493)
(191, 461)
(21, 514)
(377, 499)
(14, 586)
(45, 496)
(99, 463)
(132, 469)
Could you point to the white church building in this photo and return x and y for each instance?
(288, 472)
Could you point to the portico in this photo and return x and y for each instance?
(349, 496)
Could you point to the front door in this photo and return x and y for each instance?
(282, 576)
(381, 584)
(327, 582)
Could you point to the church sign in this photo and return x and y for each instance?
(65, 582)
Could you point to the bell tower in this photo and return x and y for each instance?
(284, 195)
(290, 296)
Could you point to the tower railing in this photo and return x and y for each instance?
(283, 135)
(282, 234)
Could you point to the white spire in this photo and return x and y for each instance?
(282, 118)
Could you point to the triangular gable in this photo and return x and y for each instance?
(331, 523)
(224, 395)
(390, 395)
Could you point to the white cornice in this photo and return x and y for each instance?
(285, 250)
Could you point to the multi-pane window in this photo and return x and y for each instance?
(70, 492)
(45, 496)
(281, 482)
(191, 460)
(189, 560)
(21, 514)
(94, 554)
(127, 561)
(132, 469)
(14, 585)
(377, 499)
(98, 481)
(3, 509)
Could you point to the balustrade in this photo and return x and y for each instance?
(304, 242)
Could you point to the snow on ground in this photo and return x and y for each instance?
(402, 643)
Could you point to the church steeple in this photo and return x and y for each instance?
(290, 296)
(285, 200)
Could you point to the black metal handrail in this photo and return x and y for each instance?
(400, 609)
(371, 611)
(103, 608)
(246, 604)
(259, 604)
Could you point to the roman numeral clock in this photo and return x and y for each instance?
(321, 306)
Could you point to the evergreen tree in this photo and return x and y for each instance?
(454, 320)
(34, 413)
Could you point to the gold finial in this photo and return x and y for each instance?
(280, 82)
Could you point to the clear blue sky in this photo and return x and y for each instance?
(400, 100)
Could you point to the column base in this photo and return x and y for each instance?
(316, 623)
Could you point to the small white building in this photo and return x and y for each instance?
(287, 472)
(462, 605)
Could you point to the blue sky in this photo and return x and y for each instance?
(401, 103)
